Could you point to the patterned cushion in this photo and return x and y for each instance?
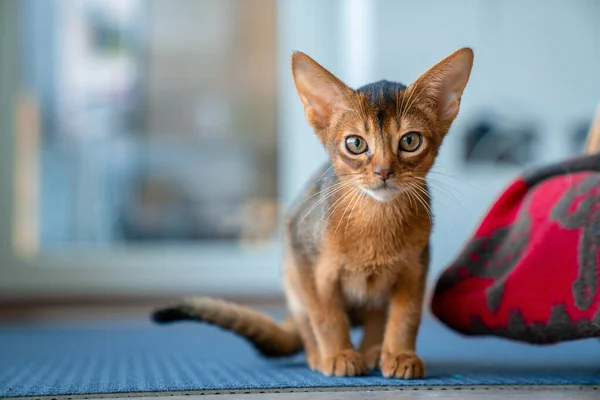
(531, 270)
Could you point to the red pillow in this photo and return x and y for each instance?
(531, 272)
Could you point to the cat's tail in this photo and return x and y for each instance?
(270, 338)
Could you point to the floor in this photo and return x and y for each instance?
(500, 393)
(505, 394)
(100, 311)
(544, 394)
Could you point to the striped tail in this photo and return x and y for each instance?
(270, 338)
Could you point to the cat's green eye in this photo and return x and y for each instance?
(411, 142)
(356, 144)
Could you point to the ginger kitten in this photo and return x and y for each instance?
(357, 243)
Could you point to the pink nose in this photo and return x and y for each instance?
(383, 173)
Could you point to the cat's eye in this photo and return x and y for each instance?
(356, 144)
(411, 142)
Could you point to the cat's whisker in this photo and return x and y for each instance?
(336, 190)
(337, 175)
(337, 205)
(409, 198)
(447, 192)
(421, 189)
(350, 174)
(414, 195)
(335, 185)
(435, 181)
(446, 189)
(410, 193)
(443, 185)
(339, 188)
(324, 191)
(421, 200)
(352, 200)
(324, 173)
(447, 195)
(460, 204)
(356, 193)
(442, 191)
(426, 205)
(340, 199)
(453, 177)
(334, 204)
(358, 200)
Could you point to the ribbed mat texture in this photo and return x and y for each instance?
(136, 356)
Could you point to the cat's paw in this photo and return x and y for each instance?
(371, 356)
(345, 363)
(313, 359)
(402, 365)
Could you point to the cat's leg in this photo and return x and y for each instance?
(318, 306)
(330, 322)
(398, 355)
(309, 342)
(311, 349)
(296, 304)
(374, 326)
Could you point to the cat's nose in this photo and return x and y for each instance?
(384, 173)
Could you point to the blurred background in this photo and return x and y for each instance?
(150, 148)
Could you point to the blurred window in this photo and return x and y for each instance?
(145, 121)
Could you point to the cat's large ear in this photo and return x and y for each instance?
(321, 93)
(441, 87)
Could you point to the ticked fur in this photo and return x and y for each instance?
(357, 241)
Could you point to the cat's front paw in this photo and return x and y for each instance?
(345, 363)
(402, 365)
(313, 359)
(371, 356)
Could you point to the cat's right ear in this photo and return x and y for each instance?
(321, 93)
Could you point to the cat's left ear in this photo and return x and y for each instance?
(441, 87)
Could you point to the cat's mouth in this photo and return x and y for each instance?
(383, 192)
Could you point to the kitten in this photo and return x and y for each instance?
(357, 244)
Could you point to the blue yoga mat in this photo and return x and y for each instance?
(137, 356)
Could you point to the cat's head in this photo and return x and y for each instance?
(384, 136)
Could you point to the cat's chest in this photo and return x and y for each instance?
(368, 285)
(375, 247)
(384, 240)
(373, 262)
